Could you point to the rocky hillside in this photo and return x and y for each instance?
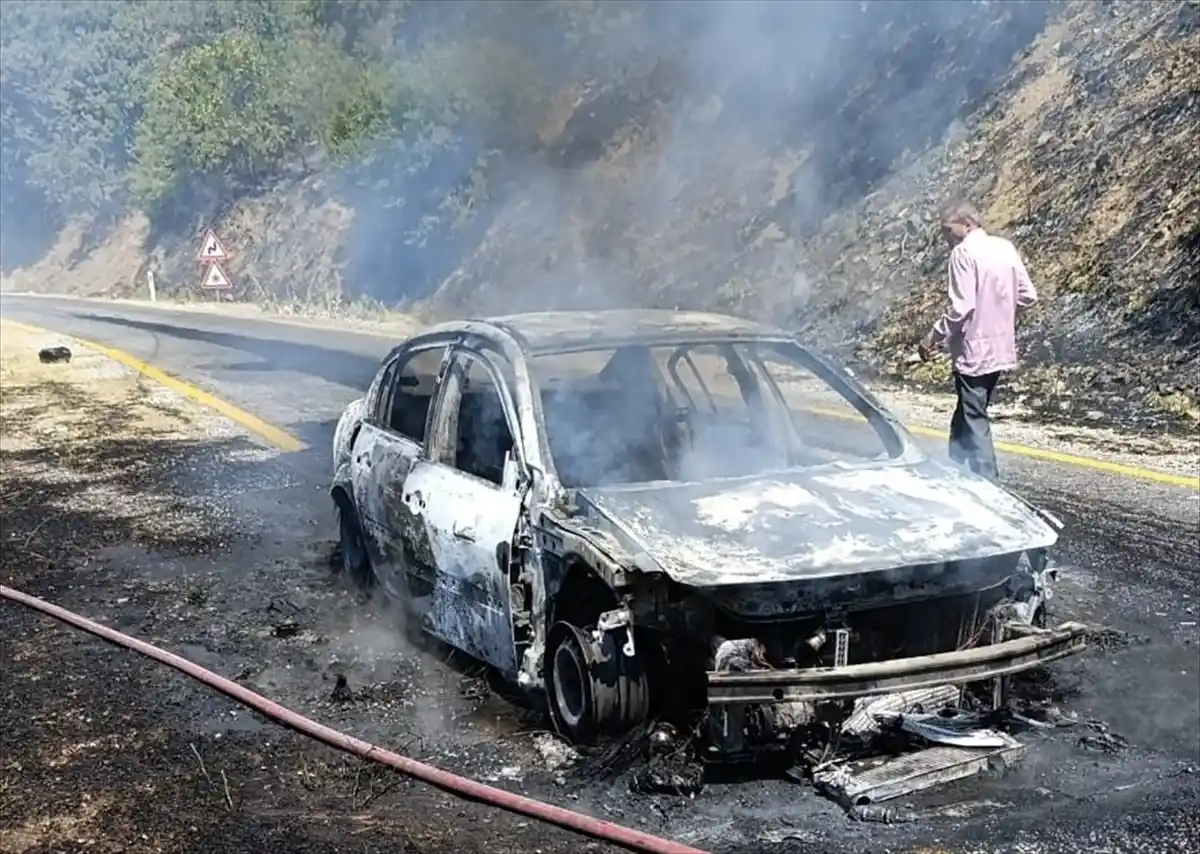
(1087, 159)
(1083, 152)
(776, 160)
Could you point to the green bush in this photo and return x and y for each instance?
(106, 104)
(221, 109)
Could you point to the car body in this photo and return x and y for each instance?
(649, 510)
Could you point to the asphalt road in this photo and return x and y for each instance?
(1130, 560)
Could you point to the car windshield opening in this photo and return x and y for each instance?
(636, 414)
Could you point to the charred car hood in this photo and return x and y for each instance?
(817, 524)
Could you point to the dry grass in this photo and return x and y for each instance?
(47, 403)
(89, 264)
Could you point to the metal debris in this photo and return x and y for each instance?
(878, 814)
(1042, 716)
(1103, 740)
(663, 739)
(954, 730)
(899, 744)
(863, 721)
(869, 781)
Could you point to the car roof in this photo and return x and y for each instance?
(559, 331)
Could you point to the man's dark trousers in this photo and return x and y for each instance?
(970, 429)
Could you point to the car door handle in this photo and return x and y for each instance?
(464, 532)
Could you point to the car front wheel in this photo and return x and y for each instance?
(591, 685)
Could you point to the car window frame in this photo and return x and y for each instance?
(382, 402)
(902, 449)
(436, 454)
(739, 370)
(877, 418)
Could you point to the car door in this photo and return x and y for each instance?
(390, 442)
(468, 497)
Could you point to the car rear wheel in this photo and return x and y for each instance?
(354, 561)
(592, 686)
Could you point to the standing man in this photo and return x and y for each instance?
(988, 285)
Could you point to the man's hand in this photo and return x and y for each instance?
(925, 350)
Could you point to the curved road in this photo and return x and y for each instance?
(1130, 560)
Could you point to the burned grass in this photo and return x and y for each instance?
(1079, 145)
(140, 510)
(1084, 157)
(102, 751)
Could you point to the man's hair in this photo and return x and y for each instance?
(962, 211)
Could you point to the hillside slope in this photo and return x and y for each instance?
(1088, 160)
(780, 161)
(1084, 154)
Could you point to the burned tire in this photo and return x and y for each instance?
(353, 560)
(569, 686)
(591, 687)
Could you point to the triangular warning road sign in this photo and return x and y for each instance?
(211, 249)
(216, 279)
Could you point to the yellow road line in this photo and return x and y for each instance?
(1048, 455)
(272, 434)
(290, 443)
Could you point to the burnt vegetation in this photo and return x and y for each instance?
(774, 160)
(101, 750)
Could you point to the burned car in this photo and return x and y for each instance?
(639, 513)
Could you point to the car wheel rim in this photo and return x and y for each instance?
(570, 684)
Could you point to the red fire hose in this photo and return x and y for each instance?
(625, 837)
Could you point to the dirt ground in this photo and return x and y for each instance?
(140, 510)
(136, 507)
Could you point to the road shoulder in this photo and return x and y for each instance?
(146, 511)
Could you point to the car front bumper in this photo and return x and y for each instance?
(1024, 649)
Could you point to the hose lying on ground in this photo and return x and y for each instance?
(634, 840)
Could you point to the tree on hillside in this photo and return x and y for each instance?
(221, 108)
(89, 89)
(70, 87)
